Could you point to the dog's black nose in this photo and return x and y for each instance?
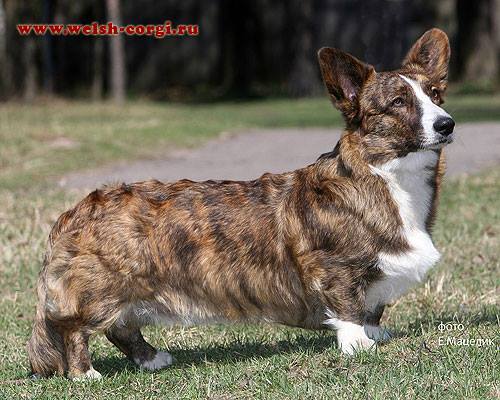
(444, 125)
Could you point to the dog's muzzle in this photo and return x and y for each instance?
(444, 126)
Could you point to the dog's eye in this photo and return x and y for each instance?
(435, 93)
(398, 102)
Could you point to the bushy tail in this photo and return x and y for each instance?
(46, 347)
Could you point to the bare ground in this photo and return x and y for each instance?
(247, 155)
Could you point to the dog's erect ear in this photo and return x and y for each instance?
(432, 53)
(344, 77)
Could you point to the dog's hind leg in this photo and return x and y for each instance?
(73, 304)
(131, 342)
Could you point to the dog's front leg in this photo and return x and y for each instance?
(372, 325)
(345, 311)
(351, 333)
(340, 292)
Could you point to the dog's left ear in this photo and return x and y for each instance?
(432, 53)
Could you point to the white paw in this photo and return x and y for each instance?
(91, 374)
(377, 333)
(162, 359)
(350, 344)
(351, 337)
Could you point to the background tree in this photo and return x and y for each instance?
(48, 57)
(303, 79)
(478, 44)
(117, 54)
(245, 48)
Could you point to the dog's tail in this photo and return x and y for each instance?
(45, 348)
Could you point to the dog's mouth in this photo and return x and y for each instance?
(439, 143)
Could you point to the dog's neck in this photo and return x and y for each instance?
(347, 158)
(351, 157)
(412, 180)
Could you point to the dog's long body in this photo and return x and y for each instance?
(325, 246)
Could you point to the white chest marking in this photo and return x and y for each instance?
(407, 182)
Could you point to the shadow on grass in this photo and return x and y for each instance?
(241, 351)
(230, 353)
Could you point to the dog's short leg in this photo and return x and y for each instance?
(372, 326)
(78, 357)
(377, 333)
(344, 303)
(349, 320)
(130, 341)
(351, 336)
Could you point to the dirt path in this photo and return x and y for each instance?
(249, 154)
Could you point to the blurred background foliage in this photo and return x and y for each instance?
(245, 48)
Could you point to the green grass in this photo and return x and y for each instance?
(273, 362)
(44, 141)
(39, 143)
(47, 140)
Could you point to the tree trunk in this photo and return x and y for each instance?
(237, 23)
(5, 65)
(117, 54)
(3, 47)
(30, 72)
(47, 49)
(97, 76)
(302, 80)
(477, 40)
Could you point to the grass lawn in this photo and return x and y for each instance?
(46, 140)
(275, 362)
(41, 142)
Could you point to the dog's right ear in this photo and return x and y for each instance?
(344, 77)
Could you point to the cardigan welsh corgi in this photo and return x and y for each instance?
(325, 246)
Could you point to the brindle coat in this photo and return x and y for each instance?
(281, 248)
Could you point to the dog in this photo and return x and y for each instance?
(326, 246)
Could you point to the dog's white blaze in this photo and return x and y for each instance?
(351, 337)
(406, 179)
(430, 111)
(162, 359)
